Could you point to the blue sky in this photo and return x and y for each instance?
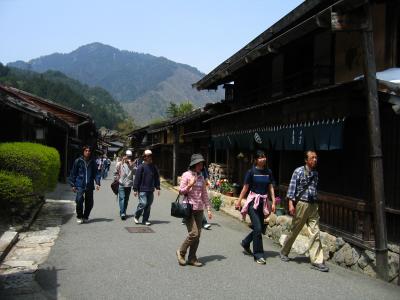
(199, 33)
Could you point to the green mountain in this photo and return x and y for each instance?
(56, 86)
(145, 84)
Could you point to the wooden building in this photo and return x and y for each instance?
(300, 85)
(174, 141)
(29, 118)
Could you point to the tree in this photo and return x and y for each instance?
(3, 70)
(126, 126)
(174, 110)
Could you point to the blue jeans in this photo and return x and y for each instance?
(83, 196)
(257, 220)
(123, 198)
(144, 206)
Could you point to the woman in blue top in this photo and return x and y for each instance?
(259, 183)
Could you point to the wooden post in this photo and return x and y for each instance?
(66, 157)
(375, 156)
(175, 151)
(228, 173)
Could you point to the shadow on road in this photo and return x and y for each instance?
(271, 253)
(96, 220)
(209, 258)
(47, 280)
(66, 218)
(301, 260)
(154, 222)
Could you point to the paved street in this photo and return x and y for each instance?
(102, 260)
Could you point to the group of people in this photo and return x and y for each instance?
(103, 166)
(143, 178)
(258, 185)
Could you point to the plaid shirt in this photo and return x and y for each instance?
(301, 176)
(197, 194)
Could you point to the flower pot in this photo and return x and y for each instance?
(230, 194)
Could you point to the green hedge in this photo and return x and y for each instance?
(38, 162)
(15, 190)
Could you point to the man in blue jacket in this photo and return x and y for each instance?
(147, 179)
(83, 175)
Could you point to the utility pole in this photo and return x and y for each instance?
(375, 151)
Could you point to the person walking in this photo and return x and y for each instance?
(147, 179)
(204, 222)
(194, 187)
(303, 191)
(107, 164)
(125, 179)
(83, 175)
(259, 181)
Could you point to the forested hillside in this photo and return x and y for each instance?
(144, 83)
(55, 86)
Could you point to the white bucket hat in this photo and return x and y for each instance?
(147, 152)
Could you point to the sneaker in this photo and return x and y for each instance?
(181, 259)
(261, 261)
(123, 217)
(135, 220)
(195, 263)
(207, 226)
(283, 257)
(85, 220)
(320, 267)
(246, 250)
(79, 221)
(183, 223)
(147, 223)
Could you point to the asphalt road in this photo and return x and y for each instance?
(102, 260)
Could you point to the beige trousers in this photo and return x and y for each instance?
(193, 224)
(306, 213)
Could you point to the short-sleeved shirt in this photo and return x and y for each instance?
(258, 180)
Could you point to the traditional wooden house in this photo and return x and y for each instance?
(115, 147)
(175, 140)
(308, 82)
(26, 117)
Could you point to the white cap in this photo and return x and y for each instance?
(128, 152)
(148, 152)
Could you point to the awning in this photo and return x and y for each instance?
(318, 135)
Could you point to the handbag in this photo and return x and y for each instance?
(115, 183)
(181, 209)
(115, 186)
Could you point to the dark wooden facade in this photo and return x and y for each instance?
(28, 118)
(301, 71)
(174, 141)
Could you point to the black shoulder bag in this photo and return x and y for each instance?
(180, 209)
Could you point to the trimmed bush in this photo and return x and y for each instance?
(15, 190)
(38, 162)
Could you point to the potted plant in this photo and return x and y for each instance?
(279, 209)
(216, 202)
(226, 188)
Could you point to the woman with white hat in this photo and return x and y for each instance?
(194, 187)
(125, 175)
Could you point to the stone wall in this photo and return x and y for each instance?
(335, 249)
